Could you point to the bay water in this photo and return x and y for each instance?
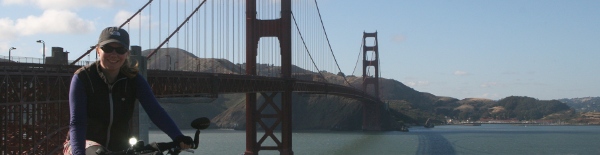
(445, 140)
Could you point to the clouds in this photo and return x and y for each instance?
(122, 16)
(460, 73)
(54, 21)
(57, 17)
(62, 4)
(398, 38)
(50, 22)
(7, 29)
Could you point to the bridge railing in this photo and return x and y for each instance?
(81, 63)
(31, 60)
(21, 59)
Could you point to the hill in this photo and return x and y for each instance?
(584, 104)
(526, 108)
(404, 104)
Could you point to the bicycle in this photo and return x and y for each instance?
(139, 148)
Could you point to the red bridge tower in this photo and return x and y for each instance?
(281, 29)
(371, 112)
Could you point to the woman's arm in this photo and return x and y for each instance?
(78, 116)
(157, 114)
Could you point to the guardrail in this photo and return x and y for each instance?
(31, 60)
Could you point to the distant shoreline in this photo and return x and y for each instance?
(533, 124)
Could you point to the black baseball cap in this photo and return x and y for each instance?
(114, 34)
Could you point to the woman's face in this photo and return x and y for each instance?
(112, 56)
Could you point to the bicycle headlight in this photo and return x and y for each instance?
(132, 141)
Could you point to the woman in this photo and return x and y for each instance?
(102, 97)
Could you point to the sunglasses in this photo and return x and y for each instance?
(110, 49)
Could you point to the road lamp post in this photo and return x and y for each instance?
(10, 49)
(44, 51)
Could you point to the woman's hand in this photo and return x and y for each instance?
(185, 142)
(184, 146)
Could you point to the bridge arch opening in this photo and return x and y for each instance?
(370, 71)
(371, 55)
(370, 41)
(268, 61)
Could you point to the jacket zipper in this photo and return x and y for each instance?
(110, 100)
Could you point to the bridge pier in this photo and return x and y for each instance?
(371, 117)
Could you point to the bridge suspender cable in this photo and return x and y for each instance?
(307, 51)
(176, 30)
(358, 57)
(149, 26)
(328, 43)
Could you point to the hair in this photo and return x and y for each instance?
(129, 69)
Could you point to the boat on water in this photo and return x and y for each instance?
(428, 124)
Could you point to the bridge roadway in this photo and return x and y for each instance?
(34, 98)
(197, 84)
(173, 83)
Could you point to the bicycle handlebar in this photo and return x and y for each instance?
(172, 147)
(140, 148)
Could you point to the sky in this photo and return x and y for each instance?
(546, 49)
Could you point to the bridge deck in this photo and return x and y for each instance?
(34, 98)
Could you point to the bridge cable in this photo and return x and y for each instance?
(195, 41)
(159, 29)
(219, 33)
(205, 34)
(176, 65)
(239, 37)
(205, 30)
(358, 58)
(127, 21)
(176, 30)
(232, 69)
(307, 51)
(212, 35)
(149, 27)
(187, 41)
(140, 30)
(328, 43)
(227, 36)
(168, 29)
(240, 19)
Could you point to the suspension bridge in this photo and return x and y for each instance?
(260, 48)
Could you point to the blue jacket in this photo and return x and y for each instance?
(101, 112)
